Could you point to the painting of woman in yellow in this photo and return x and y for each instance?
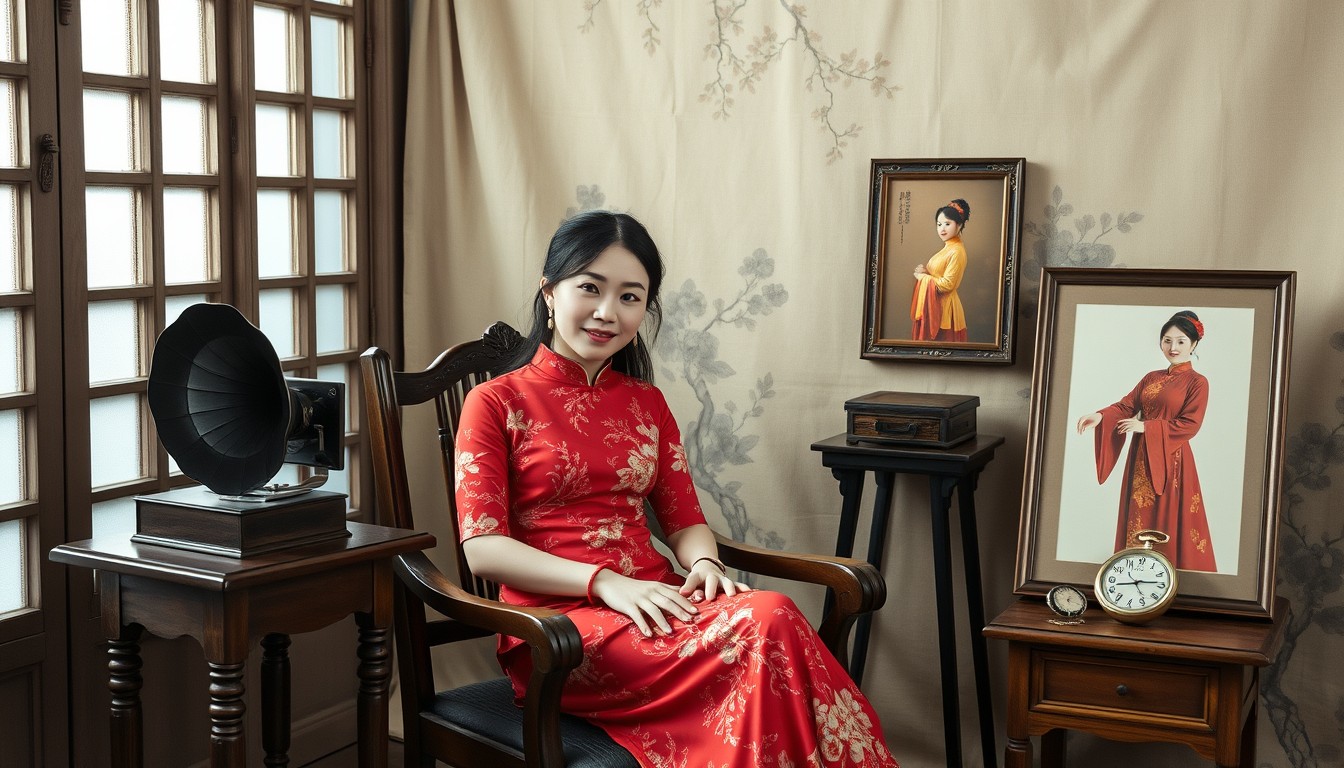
(936, 313)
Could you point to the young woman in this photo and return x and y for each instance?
(935, 308)
(555, 462)
(1161, 485)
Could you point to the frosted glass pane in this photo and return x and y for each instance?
(174, 305)
(184, 42)
(111, 39)
(115, 518)
(328, 45)
(288, 475)
(11, 133)
(11, 239)
(275, 145)
(111, 131)
(13, 567)
(333, 2)
(115, 440)
(331, 336)
(114, 341)
(277, 310)
(328, 144)
(10, 32)
(13, 474)
(329, 231)
(275, 233)
(188, 223)
(186, 135)
(272, 46)
(112, 217)
(11, 351)
(340, 372)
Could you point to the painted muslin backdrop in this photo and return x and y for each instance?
(1157, 133)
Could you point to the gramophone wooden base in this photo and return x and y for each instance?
(196, 519)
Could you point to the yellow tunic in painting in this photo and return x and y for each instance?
(945, 271)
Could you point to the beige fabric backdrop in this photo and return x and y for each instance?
(1216, 122)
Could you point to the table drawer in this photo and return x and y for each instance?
(1123, 689)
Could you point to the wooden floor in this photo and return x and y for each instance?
(348, 758)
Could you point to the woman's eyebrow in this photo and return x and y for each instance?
(603, 278)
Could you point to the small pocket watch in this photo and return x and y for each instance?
(1137, 584)
(1068, 602)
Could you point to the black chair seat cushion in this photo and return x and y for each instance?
(487, 708)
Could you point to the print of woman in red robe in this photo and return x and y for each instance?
(1161, 485)
(556, 462)
(936, 313)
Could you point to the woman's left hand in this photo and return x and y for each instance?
(705, 580)
(1132, 424)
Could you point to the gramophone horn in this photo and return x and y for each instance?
(219, 399)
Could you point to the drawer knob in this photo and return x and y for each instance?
(1122, 690)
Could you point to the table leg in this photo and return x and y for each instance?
(851, 494)
(228, 743)
(940, 490)
(375, 673)
(975, 611)
(275, 707)
(123, 667)
(877, 540)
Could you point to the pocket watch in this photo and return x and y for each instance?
(1136, 585)
(1068, 602)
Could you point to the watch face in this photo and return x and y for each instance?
(1066, 601)
(1136, 583)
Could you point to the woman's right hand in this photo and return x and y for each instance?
(1089, 421)
(647, 603)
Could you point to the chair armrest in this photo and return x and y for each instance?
(856, 584)
(555, 641)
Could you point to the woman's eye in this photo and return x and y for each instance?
(588, 287)
(630, 297)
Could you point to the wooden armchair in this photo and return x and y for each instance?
(479, 724)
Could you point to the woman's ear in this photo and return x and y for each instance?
(546, 290)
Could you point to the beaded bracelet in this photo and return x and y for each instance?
(589, 590)
(716, 563)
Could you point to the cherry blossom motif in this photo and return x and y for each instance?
(844, 726)
(465, 465)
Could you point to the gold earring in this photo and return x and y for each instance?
(636, 341)
(550, 319)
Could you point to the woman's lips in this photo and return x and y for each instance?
(599, 337)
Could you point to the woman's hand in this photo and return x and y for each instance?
(705, 580)
(1132, 424)
(647, 603)
(920, 270)
(1089, 421)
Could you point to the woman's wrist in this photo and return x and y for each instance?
(593, 579)
(711, 561)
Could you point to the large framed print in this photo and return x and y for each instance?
(943, 239)
(1158, 400)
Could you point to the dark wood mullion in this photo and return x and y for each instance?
(20, 511)
(241, 166)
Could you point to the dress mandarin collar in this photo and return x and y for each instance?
(1180, 367)
(553, 365)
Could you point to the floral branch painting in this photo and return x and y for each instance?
(738, 68)
(717, 437)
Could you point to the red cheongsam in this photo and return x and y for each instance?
(566, 467)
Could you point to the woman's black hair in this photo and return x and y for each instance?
(1186, 322)
(958, 210)
(576, 244)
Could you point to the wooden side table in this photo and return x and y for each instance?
(948, 470)
(226, 603)
(1187, 679)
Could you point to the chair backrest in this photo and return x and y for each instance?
(445, 383)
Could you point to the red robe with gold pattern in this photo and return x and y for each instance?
(1161, 485)
(566, 467)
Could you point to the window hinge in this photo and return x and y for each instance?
(65, 9)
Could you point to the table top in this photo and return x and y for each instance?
(962, 452)
(1187, 636)
(119, 554)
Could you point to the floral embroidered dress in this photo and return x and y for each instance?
(566, 467)
(935, 307)
(1161, 485)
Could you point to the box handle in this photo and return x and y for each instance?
(908, 428)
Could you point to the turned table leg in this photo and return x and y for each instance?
(375, 674)
(123, 667)
(228, 743)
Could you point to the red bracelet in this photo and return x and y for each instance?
(591, 579)
(716, 563)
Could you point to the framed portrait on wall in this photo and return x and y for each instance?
(940, 278)
(1158, 401)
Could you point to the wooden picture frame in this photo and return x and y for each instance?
(979, 300)
(1097, 336)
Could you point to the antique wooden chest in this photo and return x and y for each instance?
(911, 418)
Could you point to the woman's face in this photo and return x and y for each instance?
(947, 228)
(598, 311)
(1176, 346)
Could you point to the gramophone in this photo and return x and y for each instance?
(229, 417)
